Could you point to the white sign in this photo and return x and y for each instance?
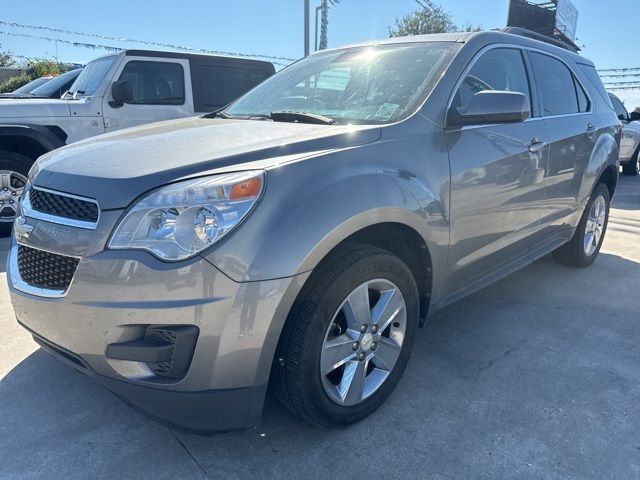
(567, 18)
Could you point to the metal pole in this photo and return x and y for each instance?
(306, 27)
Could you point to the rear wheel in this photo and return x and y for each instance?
(584, 246)
(633, 166)
(14, 169)
(349, 338)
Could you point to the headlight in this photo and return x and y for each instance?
(182, 219)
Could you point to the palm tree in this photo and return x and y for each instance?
(324, 21)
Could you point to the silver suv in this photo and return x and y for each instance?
(301, 236)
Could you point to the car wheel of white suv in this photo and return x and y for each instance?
(14, 169)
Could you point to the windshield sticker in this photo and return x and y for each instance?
(385, 111)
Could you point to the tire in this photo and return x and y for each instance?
(632, 168)
(574, 253)
(14, 170)
(298, 381)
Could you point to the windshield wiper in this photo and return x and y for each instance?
(301, 117)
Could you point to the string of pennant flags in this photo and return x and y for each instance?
(275, 59)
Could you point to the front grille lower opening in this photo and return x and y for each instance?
(46, 270)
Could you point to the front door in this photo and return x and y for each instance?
(160, 92)
(496, 175)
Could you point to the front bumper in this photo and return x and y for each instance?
(115, 296)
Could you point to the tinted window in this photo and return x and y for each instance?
(155, 82)
(619, 107)
(594, 79)
(218, 85)
(583, 101)
(556, 84)
(497, 69)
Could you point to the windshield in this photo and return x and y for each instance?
(57, 86)
(32, 85)
(92, 76)
(363, 85)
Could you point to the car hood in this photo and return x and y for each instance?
(118, 167)
(33, 107)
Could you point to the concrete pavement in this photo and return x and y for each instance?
(537, 376)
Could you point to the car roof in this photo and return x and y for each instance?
(484, 37)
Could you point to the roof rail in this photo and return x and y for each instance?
(523, 32)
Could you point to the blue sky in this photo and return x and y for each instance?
(275, 27)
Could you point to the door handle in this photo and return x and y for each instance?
(591, 129)
(536, 145)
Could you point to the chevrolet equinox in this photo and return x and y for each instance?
(299, 237)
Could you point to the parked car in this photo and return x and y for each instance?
(630, 141)
(57, 87)
(301, 235)
(27, 88)
(53, 87)
(116, 91)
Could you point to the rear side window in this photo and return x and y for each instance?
(497, 69)
(218, 85)
(155, 83)
(561, 93)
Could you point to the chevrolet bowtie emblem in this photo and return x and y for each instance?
(21, 229)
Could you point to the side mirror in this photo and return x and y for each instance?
(622, 118)
(492, 106)
(122, 92)
(634, 116)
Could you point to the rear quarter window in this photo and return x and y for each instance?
(216, 85)
(594, 80)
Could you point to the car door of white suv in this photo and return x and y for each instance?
(160, 90)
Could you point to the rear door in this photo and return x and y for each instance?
(496, 174)
(572, 128)
(160, 92)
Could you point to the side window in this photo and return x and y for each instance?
(583, 101)
(155, 83)
(619, 108)
(497, 69)
(560, 92)
(219, 84)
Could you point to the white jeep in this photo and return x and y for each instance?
(116, 91)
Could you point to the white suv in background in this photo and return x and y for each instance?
(116, 91)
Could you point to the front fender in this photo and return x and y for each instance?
(45, 136)
(311, 206)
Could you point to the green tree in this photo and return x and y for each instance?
(13, 83)
(429, 18)
(6, 59)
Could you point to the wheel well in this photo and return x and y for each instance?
(409, 246)
(610, 178)
(23, 145)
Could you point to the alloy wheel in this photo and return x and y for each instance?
(11, 187)
(363, 342)
(595, 225)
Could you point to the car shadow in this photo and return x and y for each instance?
(499, 383)
(5, 244)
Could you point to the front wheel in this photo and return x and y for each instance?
(348, 340)
(584, 246)
(14, 169)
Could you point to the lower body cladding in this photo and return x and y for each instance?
(179, 341)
